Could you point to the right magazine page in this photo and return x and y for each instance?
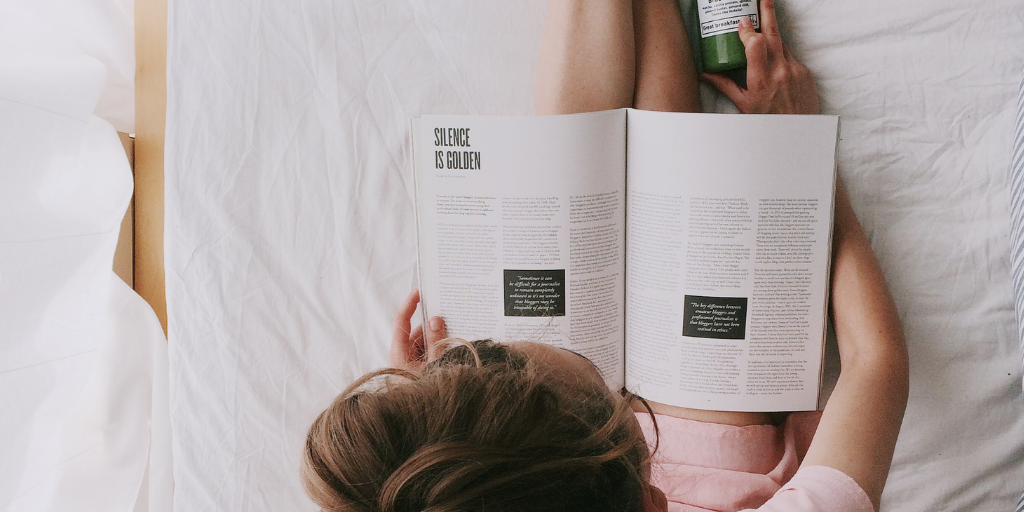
(728, 237)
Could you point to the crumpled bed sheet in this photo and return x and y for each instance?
(84, 420)
(290, 236)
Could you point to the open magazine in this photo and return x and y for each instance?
(686, 255)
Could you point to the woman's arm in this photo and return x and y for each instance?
(858, 429)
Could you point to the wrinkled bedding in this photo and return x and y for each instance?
(83, 359)
(290, 234)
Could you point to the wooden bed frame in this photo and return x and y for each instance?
(140, 258)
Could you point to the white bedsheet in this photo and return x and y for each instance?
(290, 235)
(84, 421)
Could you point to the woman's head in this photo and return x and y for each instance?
(483, 427)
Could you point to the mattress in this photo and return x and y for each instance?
(290, 234)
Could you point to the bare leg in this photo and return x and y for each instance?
(666, 77)
(604, 54)
(666, 80)
(587, 58)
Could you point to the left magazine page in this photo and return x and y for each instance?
(521, 229)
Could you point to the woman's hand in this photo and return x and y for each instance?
(410, 348)
(776, 82)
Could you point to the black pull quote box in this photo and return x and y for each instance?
(535, 292)
(723, 318)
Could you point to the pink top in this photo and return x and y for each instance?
(707, 466)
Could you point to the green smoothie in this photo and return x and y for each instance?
(720, 45)
(722, 52)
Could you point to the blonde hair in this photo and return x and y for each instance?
(481, 428)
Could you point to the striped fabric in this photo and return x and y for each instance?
(1017, 225)
(1017, 215)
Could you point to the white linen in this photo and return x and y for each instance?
(83, 385)
(290, 236)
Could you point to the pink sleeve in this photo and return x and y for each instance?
(819, 488)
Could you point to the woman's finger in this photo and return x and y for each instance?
(728, 88)
(416, 337)
(435, 331)
(408, 355)
(416, 344)
(756, 49)
(770, 27)
(406, 351)
(403, 320)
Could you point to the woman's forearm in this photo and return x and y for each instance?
(861, 422)
(862, 309)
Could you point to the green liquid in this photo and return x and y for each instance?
(722, 52)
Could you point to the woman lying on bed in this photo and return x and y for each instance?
(455, 426)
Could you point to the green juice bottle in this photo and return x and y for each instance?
(720, 45)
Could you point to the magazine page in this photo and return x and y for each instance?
(728, 254)
(522, 229)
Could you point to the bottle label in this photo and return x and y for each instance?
(723, 16)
